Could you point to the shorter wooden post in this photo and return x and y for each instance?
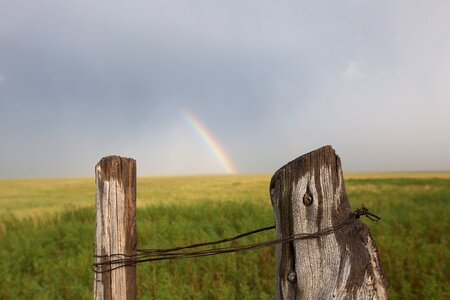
(115, 226)
(308, 195)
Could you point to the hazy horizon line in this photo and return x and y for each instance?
(360, 174)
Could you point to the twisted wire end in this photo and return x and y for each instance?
(364, 211)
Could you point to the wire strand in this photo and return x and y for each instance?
(148, 255)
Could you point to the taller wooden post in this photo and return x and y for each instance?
(115, 220)
(308, 195)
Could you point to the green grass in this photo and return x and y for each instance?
(47, 238)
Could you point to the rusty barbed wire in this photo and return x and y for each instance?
(116, 261)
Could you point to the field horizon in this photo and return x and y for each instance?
(350, 174)
(18, 196)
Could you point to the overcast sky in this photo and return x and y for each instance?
(269, 80)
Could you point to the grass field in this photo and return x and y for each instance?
(47, 230)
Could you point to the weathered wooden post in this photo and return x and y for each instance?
(115, 226)
(308, 195)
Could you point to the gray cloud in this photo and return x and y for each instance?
(80, 80)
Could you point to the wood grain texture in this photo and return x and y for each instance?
(115, 225)
(342, 265)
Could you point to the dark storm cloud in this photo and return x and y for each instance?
(271, 80)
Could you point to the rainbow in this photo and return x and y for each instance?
(210, 141)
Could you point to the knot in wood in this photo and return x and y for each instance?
(292, 277)
(307, 199)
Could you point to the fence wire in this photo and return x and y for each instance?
(112, 262)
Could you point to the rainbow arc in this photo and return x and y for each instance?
(210, 141)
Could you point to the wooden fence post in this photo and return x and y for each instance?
(308, 195)
(115, 219)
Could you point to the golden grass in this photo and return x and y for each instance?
(381, 175)
(44, 197)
